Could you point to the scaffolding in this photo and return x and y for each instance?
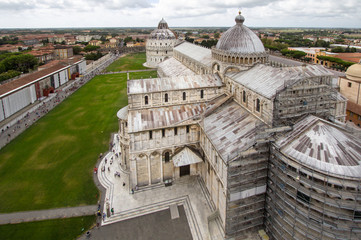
(303, 203)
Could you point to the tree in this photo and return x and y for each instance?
(128, 39)
(45, 41)
(298, 54)
(322, 43)
(216, 35)
(8, 75)
(191, 40)
(103, 38)
(209, 43)
(205, 36)
(21, 63)
(77, 50)
(350, 50)
(338, 50)
(93, 56)
(90, 48)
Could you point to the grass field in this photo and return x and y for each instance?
(59, 229)
(132, 61)
(51, 164)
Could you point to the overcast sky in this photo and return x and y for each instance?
(178, 13)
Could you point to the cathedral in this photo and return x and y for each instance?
(268, 142)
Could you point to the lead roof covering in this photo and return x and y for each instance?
(197, 53)
(231, 129)
(172, 67)
(267, 80)
(323, 146)
(173, 83)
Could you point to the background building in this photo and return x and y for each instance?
(17, 94)
(160, 44)
(350, 87)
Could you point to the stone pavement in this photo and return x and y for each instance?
(31, 216)
(188, 191)
(153, 226)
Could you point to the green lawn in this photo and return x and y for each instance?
(51, 164)
(132, 61)
(59, 229)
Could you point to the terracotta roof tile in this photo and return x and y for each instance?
(10, 86)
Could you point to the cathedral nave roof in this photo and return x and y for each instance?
(172, 67)
(164, 117)
(173, 83)
(197, 53)
(231, 129)
(267, 80)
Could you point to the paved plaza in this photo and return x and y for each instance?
(188, 192)
(153, 226)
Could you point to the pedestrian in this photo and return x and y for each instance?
(104, 215)
(123, 184)
(108, 169)
(112, 210)
(132, 191)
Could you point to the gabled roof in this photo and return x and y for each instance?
(173, 83)
(267, 80)
(185, 157)
(231, 129)
(36, 76)
(197, 53)
(157, 118)
(321, 145)
(172, 67)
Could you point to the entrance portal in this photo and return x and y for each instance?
(185, 170)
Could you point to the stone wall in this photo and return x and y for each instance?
(158, 99)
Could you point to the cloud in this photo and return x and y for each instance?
(102, 13)
(16, 5)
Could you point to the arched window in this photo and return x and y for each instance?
(146, 100)
(258, 105)
(166, 157)
(184, 96)
(150, 135)
(202, 93)
(244, 96)
(166, 97)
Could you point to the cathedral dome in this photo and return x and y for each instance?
(240, 39)
(162, 32)
(354, 72)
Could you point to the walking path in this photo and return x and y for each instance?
(31, 216)
(130, 71)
